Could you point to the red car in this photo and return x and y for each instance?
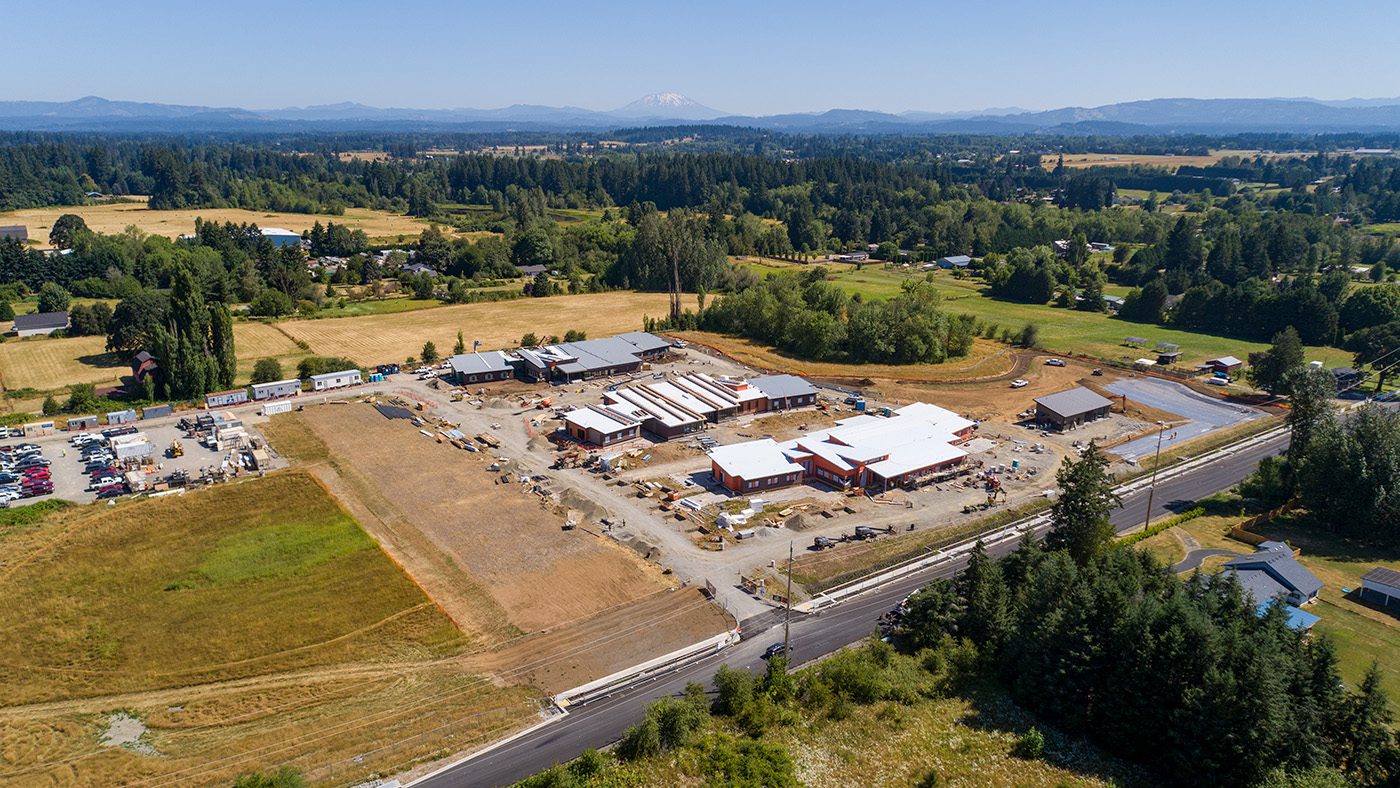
(37, 473)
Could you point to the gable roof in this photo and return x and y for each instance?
(758, 459)
(1072, 402)
(480, 363)
(1277, 560)
(782, 386)
(1382, 575)
(1225, 361)
(41, 320)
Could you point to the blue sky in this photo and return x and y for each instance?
(751, 57)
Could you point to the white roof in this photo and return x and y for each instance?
(334, 375)
(914, 437)
(1228, 361)
(758, 459)
(643, 403)
(598, 419)
(276, 384)
(278, 231)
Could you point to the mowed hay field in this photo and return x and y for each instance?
(1083, 160)
(986, 360)
(115, 217)
(248, 625)
(393, 337)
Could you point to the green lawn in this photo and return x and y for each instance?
(1067, 331)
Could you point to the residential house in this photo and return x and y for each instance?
(1272, 571)
(40, 323)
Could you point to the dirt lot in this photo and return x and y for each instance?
(540, 575)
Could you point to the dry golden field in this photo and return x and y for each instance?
(392, 337)
(987, 360)
(116, 217)
(1082, 160)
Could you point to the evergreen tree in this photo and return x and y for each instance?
(1370, 755)
(429, 354)
(1269, 369)
(985, 614)
(461, 346)
(221, 341)
(1079, 516)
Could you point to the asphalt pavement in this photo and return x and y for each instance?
(602, 720)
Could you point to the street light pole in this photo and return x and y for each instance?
(1156, 463)
(787, 618)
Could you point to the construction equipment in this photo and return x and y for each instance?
(176, 449)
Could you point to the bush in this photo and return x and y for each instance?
(284, 777)
(734, 691)
(271, 303)
(267, 370)
(1031, 745)
(642, 740)
(1170, 522)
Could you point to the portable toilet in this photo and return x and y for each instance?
(860, 406)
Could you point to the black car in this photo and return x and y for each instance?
(775, 650)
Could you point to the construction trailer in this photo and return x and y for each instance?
(336, 380)
(277, 389)
(223, 399)
(121, 417)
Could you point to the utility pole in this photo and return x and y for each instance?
(1156, 463)
(787, 619)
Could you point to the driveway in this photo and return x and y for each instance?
(1203, 414)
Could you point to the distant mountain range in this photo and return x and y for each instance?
(1179, 115)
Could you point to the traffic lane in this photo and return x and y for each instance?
(1173, 495)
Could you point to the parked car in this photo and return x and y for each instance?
(1218, 381)
(1055, 362)
(111, 492)
(775, 650)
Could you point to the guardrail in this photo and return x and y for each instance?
(613, 682)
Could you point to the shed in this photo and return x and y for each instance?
(1226, 364)
(40, 323)
(954, 261)
(276, 389)
(336, 380)
(223, 399)
(1382, 587)
(1168, 358)
(1070, 408)
(17, 232)
(156, 411)
(82, 423)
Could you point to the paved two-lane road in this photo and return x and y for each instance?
(603, 720)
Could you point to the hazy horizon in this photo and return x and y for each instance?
(736, 58)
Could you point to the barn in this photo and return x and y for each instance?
(1070, 408)
(40, 323)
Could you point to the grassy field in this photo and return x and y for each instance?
(245, 626)
(115, 217)
(49, 364)
(987, 359)
(1168, 161)
(1361, 634)
(1068, 331)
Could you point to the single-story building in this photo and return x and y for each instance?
(1272, 571)
(1347, 378)
(1381, 586)
(156, 411)
(851, 257)
(661, 409)
(532, 270)
(336, 380)
(753, 465)
(600, 426)
(40, 323)
(954, 261)
(591, 358)
(1225, 364)
(223, 399)
(82, 423)
(1070, 408)
(1113, 302)
(276, 389)
(481, 367)
(121, 416)
(420, 268)
(142, 364)
(785, 392)
(280, 237)
(16, 232)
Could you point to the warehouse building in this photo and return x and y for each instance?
(276, 389)
(913, 443)
(591, 358)
(336, 380)
(785, 392)
(1065, 410)
(600, 426)
(280, 237)
(481, 367)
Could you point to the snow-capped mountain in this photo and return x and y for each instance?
(667, 105)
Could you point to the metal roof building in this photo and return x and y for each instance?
(481, 367)
(1381, 586)
(1070, 408)
(40, 323)
(600, 426)
(1273, 571)
(785, 391)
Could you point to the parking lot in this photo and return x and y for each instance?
(1203, 414)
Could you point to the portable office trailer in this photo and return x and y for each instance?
(82, 423)
(276, 389)
(156, 411)
(121, 417)
(223, 399)
(336, 380)
(273, 408)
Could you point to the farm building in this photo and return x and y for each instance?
(222, 399)
(280, 237)
(276, 389)
(156, 411)
(1272, 571)
(17, 232)
(40, 323)
(785, 392)
(851, 257)
(954, 261)
(481, 367)
(914, 442)
(600, 426)
(571, 361)
(1381, 586)
(420, 268)
(336, 380)
(142, 365)
(121, 416)
(1070, 408)
(1224, 364)
(82, 423)
(532, 270)
(755, 465)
